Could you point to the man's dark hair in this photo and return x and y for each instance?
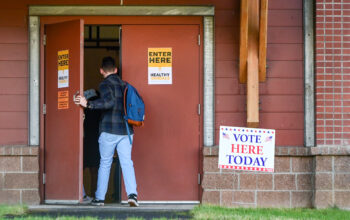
(108, 64)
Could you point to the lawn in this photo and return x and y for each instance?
(216, 212)
(208, 212)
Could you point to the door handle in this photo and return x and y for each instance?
(75, 94)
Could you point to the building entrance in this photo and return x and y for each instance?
(163, 63)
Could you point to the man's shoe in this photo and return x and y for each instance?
(132, 200)
(97, 202)
(86, 200)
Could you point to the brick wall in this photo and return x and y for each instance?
(332, 177)
(332, 72)
(304, 177)
(19, 175)
(290, 186)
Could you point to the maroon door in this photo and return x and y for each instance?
(166, 149)
(63, 120)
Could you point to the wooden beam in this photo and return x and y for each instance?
(243, 42)
(253, 65)
(263, 40)
(116, 10)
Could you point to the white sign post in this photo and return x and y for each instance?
(249, 149)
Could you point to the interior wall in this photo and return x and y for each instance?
(92, 78)
(93, 56)
(92, 63)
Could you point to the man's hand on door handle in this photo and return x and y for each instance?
(80, 100)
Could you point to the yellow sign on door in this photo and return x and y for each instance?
(63, 68)
(160, 66)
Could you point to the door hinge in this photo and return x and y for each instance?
(199, 178)
(44, 178)
(44, 40)
(199, 109)
(199, 39)
(44, 109)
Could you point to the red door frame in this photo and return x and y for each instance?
(116, 20)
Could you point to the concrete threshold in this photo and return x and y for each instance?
(116, 211)
(113, 207)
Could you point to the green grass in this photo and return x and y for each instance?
(207, 212)
(14, 210)
(216, 212)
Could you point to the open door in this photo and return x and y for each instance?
(63, 120)
(166, 150)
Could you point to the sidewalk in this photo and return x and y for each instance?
(116, 211)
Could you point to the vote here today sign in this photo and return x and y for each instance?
(249, 149)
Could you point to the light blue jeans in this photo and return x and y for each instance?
(108, 143)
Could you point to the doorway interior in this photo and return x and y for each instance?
(99, 41)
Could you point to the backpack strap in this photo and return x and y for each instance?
(126, 120)
(124, 97)
(125, 88)
(127, 129)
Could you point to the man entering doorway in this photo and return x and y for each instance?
(113, 133)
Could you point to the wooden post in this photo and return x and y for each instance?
(253, 65)
(263, 40)
(243, 42)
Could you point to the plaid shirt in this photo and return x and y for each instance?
(111, 104)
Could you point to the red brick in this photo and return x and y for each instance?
(10, 163)
(1, 181)
(226, 198)
(26, 151)
(342, 164)
(247, 181)
(7, 150)
(17, 150)
(244, 196)
(30, 164)
(302, 199)
(10, 197)
(210, 164)
(34, 150)
(214, 151)
(302, 164)
(323, 181)
(243, 205)
(211, 197)
(21, 181)
(283, 151)
(219, 181)
(284, 181)
(342, 199)
(206, 151)
(282, 164)
(323, 199)
(264, 181)
(342, 181)
(273, 199)
(304, 181)
(30, 197)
